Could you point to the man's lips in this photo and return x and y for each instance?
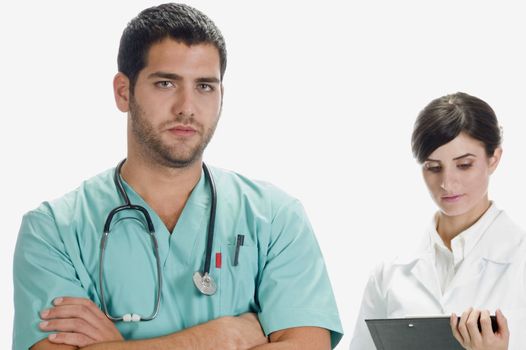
(181, 130)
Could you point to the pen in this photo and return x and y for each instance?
(239, 242)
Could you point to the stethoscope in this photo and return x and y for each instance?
(203, 281)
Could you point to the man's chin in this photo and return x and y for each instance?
(180, 161)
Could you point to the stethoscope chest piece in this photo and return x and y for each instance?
(204, 283)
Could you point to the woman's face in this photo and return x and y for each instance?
(457, 175)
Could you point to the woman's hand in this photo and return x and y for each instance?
(467, 332)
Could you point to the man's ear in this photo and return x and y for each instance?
(222, 93)
(121, 91)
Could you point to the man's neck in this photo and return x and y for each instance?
(165, 189)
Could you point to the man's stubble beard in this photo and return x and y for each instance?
(153, 147)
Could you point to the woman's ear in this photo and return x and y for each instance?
(495, 159)
(121, 91)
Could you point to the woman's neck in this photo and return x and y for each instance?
(448, 227)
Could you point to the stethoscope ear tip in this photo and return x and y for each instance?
(131, 318)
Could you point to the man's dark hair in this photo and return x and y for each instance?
(179, 22)
(446, 117)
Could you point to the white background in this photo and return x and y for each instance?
(320, 99)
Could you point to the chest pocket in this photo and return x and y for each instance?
(238, 278)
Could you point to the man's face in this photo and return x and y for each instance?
(176, 103)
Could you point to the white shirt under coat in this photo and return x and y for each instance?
(486, 269)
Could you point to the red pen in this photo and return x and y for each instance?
(218, 260)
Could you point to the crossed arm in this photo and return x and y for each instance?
(79, 324)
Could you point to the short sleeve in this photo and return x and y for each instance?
(294, 288)
(372, 307)
(42, 271)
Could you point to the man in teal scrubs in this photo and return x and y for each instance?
(272, 289)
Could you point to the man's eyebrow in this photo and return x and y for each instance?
(208, 80)
(165, 75)
(456, 158)
(173, 76)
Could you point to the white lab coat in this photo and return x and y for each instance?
(492, 275)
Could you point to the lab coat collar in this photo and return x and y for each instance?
(420, 264)
(501, 241)
(498, 243)
(464, 242)
(422, 252)
(499, 246)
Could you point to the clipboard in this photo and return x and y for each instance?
(430, 333)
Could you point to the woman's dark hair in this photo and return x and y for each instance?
(176, 21)
(446, 117)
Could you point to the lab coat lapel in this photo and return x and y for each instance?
(421, 267)
(492, 254)
(423, 272)
(467, 280)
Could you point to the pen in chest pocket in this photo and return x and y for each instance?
(239, 242)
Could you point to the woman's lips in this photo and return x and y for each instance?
(452, 198)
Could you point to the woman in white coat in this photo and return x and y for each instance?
(472, 260)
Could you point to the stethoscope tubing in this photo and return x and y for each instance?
(151, 232)
(211, 221)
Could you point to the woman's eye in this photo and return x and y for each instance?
(434, 169)
(165, 84)
(465, 166)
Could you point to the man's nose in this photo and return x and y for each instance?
(184, 104)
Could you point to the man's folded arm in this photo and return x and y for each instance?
(210, 336)
(304, 338)
(242, 332)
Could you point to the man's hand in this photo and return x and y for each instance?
(232, 333)
(78, 322)
(467, 332)
(248, 331)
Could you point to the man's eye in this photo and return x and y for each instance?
(165, 84)
(205, 87)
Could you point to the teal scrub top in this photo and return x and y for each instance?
(280, 274)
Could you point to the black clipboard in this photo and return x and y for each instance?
(430, 333)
